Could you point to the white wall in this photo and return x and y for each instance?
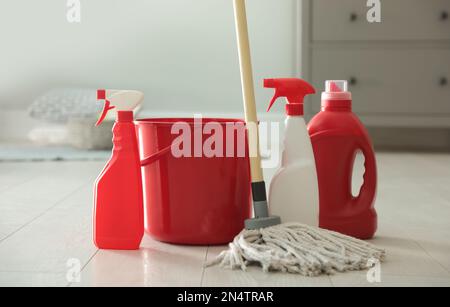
(181, 53)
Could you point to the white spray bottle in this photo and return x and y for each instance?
(294, 191)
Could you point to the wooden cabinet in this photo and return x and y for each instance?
(393, 82)
(401, 20)
(399, 69)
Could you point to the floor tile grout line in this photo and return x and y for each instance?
(331, 282)
(59, 202)
(9, 187)
(32, 272)
(84, 266)
(2, 190)
(431, 256)
(204, 266)
(414, 240)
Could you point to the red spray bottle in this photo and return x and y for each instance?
(337, 136)
(118, 207)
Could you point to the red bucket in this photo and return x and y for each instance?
(198, 198)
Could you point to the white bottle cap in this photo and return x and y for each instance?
(336, 90)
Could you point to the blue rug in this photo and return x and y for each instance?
(30, 153)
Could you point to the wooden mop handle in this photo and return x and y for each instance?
(248, 90)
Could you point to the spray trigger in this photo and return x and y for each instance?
(275, 98)
(101, 95)
(105, 111)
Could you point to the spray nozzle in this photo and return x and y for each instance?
(118, 100)
(293, 89)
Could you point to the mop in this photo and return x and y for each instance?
(291, 247)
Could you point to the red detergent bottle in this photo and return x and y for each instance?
(337, 136)
(118, 199)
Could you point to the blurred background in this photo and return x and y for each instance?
(182, 55)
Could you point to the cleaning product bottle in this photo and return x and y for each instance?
(337, 136)
(293, 193)
(118, 208)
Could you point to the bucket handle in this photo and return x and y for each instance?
(155, 157)
(158, 155)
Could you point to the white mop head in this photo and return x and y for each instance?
(300, 249)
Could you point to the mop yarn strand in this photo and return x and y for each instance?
(299, 249)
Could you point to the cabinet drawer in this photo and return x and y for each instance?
(394, 81)
(400, 20)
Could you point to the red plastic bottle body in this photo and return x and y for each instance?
(118, 211)
(337, 135)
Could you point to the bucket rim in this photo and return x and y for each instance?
(188, 120)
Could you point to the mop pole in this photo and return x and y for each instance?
(260, 206)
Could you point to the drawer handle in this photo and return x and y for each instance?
(443, 81)
(444, 15)
(353, 17)
(353, 81)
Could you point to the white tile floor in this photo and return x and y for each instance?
(45, 220)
